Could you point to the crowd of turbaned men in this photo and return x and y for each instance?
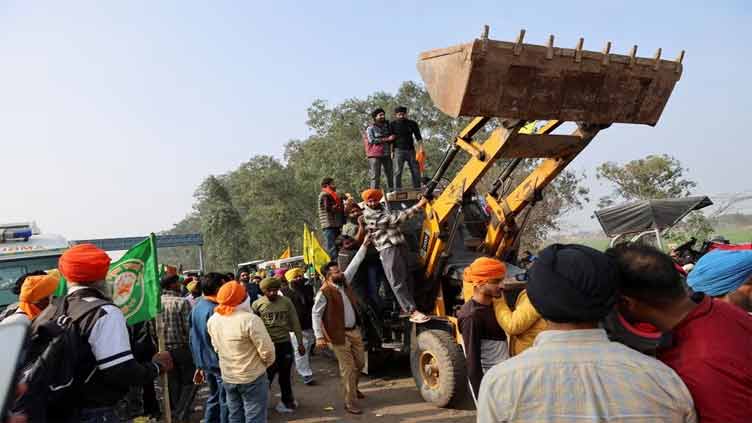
(547, 356)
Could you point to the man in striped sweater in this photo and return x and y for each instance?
(383, 225)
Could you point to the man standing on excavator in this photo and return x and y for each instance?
(379, 150)
(407, 132)
(384, 227)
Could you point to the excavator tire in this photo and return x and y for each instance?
(438, 367)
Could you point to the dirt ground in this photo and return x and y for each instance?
(390, 397)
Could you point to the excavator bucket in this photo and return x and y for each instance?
(532, 82)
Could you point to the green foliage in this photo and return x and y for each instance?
(695, 225)
(256, 210)
(224, 235)
(653, 177)
(187, 256)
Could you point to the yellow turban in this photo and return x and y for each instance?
(293, 273)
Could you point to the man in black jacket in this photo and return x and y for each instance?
(406, 132)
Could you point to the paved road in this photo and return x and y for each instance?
(390, 398)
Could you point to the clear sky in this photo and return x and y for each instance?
(111, 113)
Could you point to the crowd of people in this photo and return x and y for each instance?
(540, 351)
(551, 359)
(542, 356)
(236, 336)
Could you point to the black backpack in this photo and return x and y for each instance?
(55, 366)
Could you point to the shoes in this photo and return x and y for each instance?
(359, 394)
(418, 317)
(283, 408)
(308, 380)
(353, 409)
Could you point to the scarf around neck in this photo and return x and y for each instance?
(332, 193)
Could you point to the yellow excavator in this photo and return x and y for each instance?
(505, 86)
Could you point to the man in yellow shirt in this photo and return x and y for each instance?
(522, 324)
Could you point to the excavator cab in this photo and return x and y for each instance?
(505, 86)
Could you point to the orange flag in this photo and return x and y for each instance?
(420, 156)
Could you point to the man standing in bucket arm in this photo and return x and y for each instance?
(573, 372)
(335, 323)
(245, 351)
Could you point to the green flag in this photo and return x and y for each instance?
(134, 282)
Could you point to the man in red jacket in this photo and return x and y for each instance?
(711, 348)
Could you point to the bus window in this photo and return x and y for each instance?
(11, 270)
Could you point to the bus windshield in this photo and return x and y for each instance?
(11, 270)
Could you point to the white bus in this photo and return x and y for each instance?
(24, 249)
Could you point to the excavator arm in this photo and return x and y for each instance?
(519, 83)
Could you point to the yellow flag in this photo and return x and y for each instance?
(318, 255)
(306, 245)
(286, 254)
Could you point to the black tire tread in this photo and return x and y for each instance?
(442, 345)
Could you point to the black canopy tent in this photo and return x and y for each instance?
(639, 217)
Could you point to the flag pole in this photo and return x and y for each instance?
(163, 377)
(161, 341)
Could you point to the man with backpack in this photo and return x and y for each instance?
(80, 363)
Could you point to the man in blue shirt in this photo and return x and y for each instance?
(204, 356)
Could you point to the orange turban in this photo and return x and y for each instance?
(84, 263)
(230, 295)
(34, 289)
(484, 270)
(372, 194)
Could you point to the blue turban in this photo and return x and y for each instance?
(721, 271)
